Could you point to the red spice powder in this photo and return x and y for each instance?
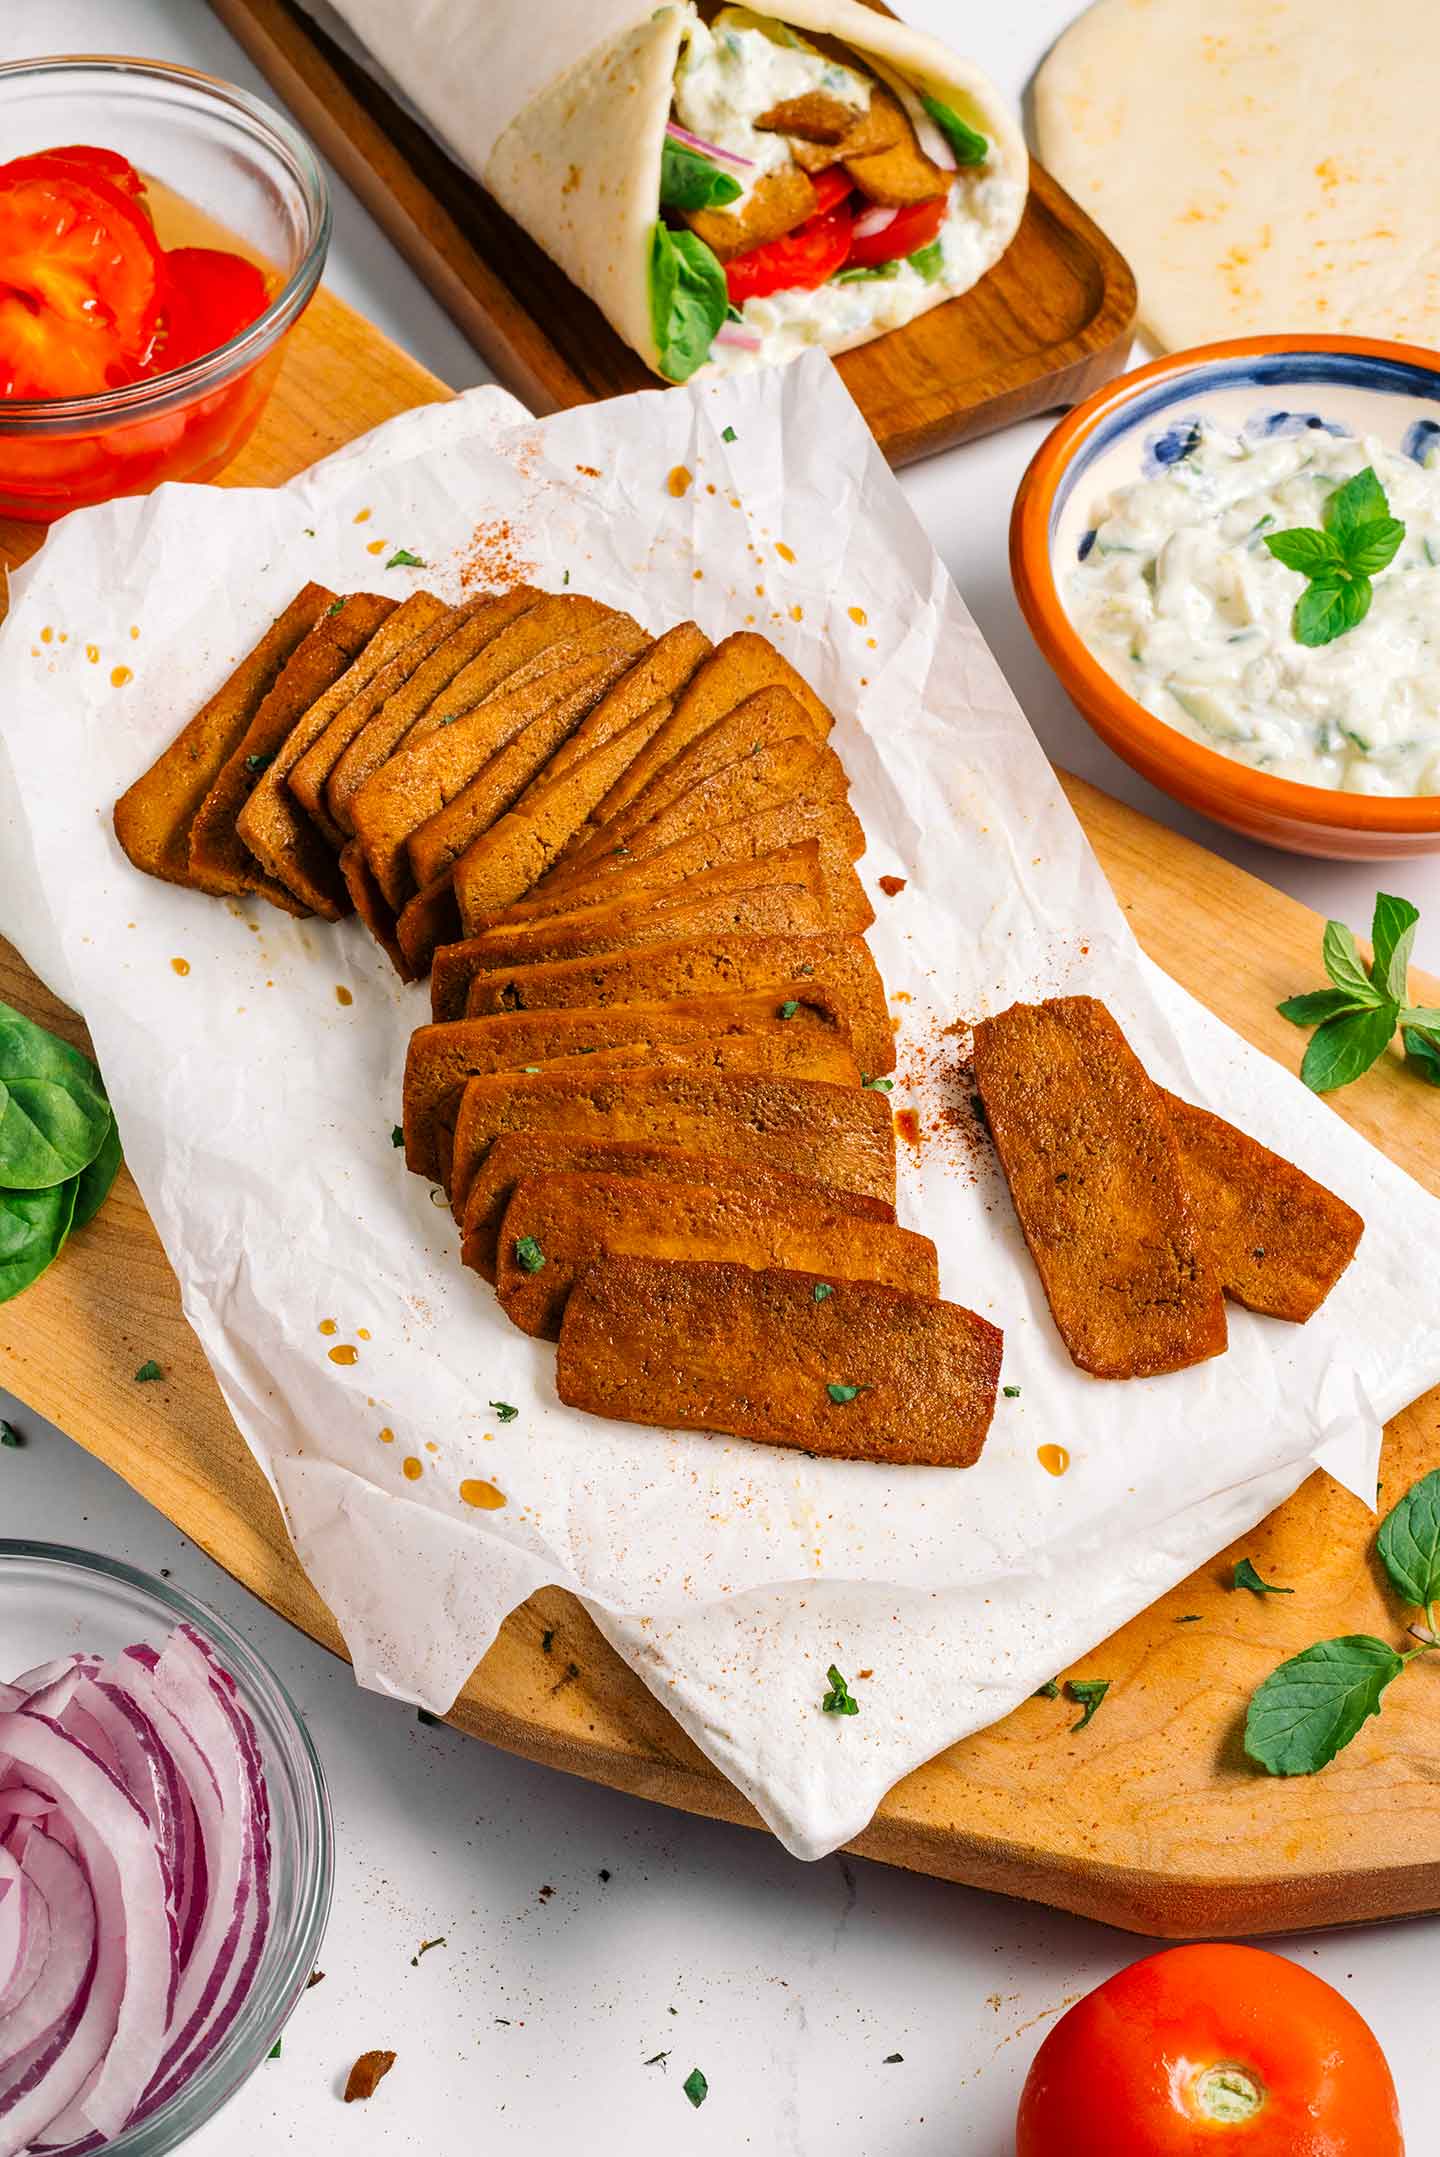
(496, 558)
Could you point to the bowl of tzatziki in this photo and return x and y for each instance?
(1231, 559)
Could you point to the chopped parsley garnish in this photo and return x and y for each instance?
(528, 1254)
(1191, 1617)
(876, 1085)
(258, 763)
(788, 1009)
(339, 603)
(9, 1436)
(147, 1373)
(1247, 1577)
(728, 434)
(1011, 1393)
(696, 2088)
(402, 558)
(1050, 1690)
(841, 1394)
(821, 1290)
(839, 1700)
(397, 1135)
(504, 1411)
(566, 578)
(274, 2052)
(1087, 1693)
(657, 2059)
(894, 2059)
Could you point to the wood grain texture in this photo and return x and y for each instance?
(1151, 1818)
(1050, 323)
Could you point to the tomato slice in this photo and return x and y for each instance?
(831, 186)
(90, 158)
(799, 262)
(81, 275)
(908, 231)
(213, 295)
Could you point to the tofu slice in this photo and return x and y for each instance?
(706, 1345)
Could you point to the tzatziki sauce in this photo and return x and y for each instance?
(1178, 597)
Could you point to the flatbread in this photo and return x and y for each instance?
(1264, 164)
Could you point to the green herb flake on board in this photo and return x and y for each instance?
(728, 434)
(839, 1700)
(402, 558)
(1246, 1577)
(10, 1437)
(696, 2088)
(504, 1411)
(148, 1373)
(1087, 1693)
(1011, 1393)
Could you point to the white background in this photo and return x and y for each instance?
(789, 1985)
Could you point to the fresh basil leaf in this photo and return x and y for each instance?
(1345, 966)
(1302, 547)
(1311, 1707)
(1343, 1049)
(1360, 500)
(688, 300)
(33, 1228)
(970, 147)
(1409, 1543)
(929, 261)
(92, 1185)
(1423, 1050)
(1327, 608)
(1245, 1576)
(1392, 935)
(53, 1110)
(689, 181)
(1375, 545)
(1318, 1005)
(1087, 1693)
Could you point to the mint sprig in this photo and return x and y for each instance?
(1309, 1709)
(1355, 1020)
(1360, 538)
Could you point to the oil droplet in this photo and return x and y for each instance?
(363, 516)
(475, 1491)
(786, 554)
(412, 1469)
(92, 653)
(180, 966)
(697, 575)
(362, 1333)
(387, 1436)
(1053, 1459)
(858, 614)
(430, 1446)
(345, 1353)
(119, 676)
(342, 994)
(797, 614)
(46, 635)
(907, 1123)
(679, 481)
(134, 629)
(901, 996)
(871, 642)
(64, 636)
(375, 546)
(328, 1325)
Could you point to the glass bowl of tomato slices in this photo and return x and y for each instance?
(161, 232)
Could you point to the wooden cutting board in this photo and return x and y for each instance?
(1150, 1819)
(1050, 323)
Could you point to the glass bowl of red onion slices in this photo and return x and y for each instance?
(165, 1858)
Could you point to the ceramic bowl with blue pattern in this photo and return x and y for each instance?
(1148, 420)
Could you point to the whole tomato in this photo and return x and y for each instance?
(1210, 2052)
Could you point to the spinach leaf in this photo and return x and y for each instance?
(689, 181)
(688, 300)
(53, 1110)
(970, 148)
(92, 1185)
(33, 1227)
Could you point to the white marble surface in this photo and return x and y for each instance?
(789, 1986)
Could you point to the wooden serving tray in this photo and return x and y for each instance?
(1050, 323)
(1151, 1819)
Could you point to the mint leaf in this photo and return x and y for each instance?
(1309, 1709)
(1087, 1693)
(1422, 1050)
(1374, 546)
(1343, 1049)
(1326, 609)
(689, 181)
(1345, 966)
(1318, 1005)
(1409, 1543)
(970, 147)
(1359, 501)
(1302, 547)
(1392, 934)
(1424, 1015)
(1246, 1577)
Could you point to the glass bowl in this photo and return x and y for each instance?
(1386, 390)
(224, 171)
(55, 1601)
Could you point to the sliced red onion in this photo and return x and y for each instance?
(36, 1954)
(730, 333)
(15, 1920)
(708, 149)
(878, 218)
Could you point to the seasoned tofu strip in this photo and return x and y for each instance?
(1089, 1152)
(841, 1133)
(1280, 1240)
(867, 1373)
(566, 1221)
(154, 815)
(522, 1154)
(217, 852)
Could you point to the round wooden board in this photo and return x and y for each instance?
(1151, 1819)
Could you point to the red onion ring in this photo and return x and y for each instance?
(712, 150)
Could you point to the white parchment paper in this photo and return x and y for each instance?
(256, 1110)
